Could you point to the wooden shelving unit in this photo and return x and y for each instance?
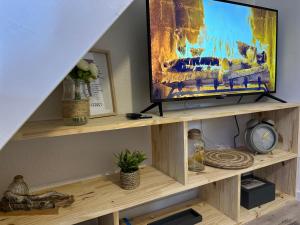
(281, 200)
(219, 189)
(260, 161)
(211, 216)
(55, 128)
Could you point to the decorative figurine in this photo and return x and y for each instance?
(17, 197)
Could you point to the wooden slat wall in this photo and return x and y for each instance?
(287, 125)
(169, 150)
(224, 195)
(284, 175)
(110, 219)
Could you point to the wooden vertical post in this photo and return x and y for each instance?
(224, 195)
(169, 150)
(283, 175)
(287, 126)
(110, 219)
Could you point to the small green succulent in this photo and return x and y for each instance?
(129, 161)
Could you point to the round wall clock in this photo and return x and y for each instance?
(261, 137)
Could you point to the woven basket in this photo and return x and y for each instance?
(76, 112)
(228, 159)
(130, 181)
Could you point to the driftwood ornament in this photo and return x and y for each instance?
(17, 197)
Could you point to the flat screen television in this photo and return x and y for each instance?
(210, 48)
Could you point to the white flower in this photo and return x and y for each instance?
(93, 69)
(83, 65)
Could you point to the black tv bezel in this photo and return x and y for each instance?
(209, 96)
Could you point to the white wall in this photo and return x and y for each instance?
(288, 47)
(55, 160)
(40, 41)
(127, 41)
(288, 53)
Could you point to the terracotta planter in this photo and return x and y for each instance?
(130, 181)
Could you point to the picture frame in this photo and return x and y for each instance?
(102, 93)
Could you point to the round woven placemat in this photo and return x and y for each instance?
(228, 159)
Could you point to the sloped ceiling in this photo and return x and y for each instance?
(40, 41)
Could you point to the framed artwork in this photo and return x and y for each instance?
(101, 90)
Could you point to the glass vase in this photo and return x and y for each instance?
(76, 109)
(196, 161)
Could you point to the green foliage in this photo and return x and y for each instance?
(78, 74)
(129, 161)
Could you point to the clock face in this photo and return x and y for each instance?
(263, 138)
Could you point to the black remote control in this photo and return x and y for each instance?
(137, 116)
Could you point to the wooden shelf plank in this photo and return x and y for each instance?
(101, 196)
(212, 174)
(228, 110)
(280, 201)
(54, 128)
(224, 195)
(210, 215)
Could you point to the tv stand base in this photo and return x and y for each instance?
(270, 96)
(153, 106)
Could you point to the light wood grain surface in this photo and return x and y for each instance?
(213, 174)
(211, 216)
(287, 126)
(224, 195)
(110, 219)
(54, 128)
(101, 196)
(289, 215)
(281, 201)
(284, 175)
(169, 150)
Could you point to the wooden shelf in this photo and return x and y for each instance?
(101, 196)
(55, 128)
(210, 215)
(212, 174)
(169, 175)
(281, 200)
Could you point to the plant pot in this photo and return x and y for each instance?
(75, 112)
(130, 181)
(76, 107)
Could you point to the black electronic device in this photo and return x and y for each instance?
(218, 54)
(187, 217)
(137, 116)
(256, 191)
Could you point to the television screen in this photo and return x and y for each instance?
(202, 48)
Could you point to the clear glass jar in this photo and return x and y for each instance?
(196, 151)
(76, 109)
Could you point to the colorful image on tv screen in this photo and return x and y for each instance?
(203, 48)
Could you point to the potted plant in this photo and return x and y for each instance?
(129, 164)
(76, 108)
